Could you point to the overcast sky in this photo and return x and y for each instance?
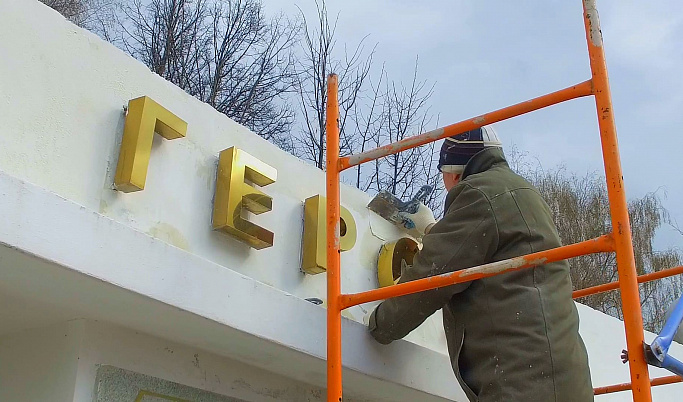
(484, 55)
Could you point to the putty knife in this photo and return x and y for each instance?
(388, 206)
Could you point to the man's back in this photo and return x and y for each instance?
(518, 331)
(511, 337)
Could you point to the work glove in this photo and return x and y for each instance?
(366, 318)
(419, 223)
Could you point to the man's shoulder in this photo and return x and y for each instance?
(496, 182)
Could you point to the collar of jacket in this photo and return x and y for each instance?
(480, 162)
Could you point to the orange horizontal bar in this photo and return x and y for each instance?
(583, 89)
(601, 244)
(627, 386)
(615, 285)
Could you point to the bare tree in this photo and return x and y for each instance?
(432, 177)
(373, 112)
(319, 60)
(406, 113)
(226, 53)
(580, 208)
(167, 35)
(229, 55)
(90, 14)
(250, 67)
(368, 120)
(73, 10)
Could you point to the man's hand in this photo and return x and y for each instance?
(419, 223)
(372, 325)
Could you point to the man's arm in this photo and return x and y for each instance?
(467, 236)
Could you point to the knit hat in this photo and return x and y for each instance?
(457, 150)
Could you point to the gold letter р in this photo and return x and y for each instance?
(314, 253)
(144, 117)
(233, 194)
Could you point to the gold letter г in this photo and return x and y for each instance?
(144, 117)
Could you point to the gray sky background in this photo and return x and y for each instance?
(484, 55)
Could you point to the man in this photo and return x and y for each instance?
(511, 337)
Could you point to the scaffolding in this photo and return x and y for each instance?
(618, 241)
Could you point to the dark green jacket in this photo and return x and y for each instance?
(511, 337)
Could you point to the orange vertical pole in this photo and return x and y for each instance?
(633, 319)
(334, 364)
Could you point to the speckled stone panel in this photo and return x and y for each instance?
(113, 384)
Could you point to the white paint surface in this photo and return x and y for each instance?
(605, 339)
(72, 247)
(39, 366)
(104, 270)
(59, 363)
(109, 345)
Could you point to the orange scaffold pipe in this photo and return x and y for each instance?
(576, 91)
(606, 287)
(621, 227)
(334, 362)
(626, 386)
(597, 245)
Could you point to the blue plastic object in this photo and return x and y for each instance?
(657, 352)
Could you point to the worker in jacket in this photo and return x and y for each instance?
(511, 337)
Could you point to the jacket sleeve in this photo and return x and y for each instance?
(467, 236)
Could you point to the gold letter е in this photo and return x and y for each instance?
(232, 194)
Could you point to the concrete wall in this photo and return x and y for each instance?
(61, 363)
(65, 90)
(103, 270)
(40, 365)
(109, 345)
